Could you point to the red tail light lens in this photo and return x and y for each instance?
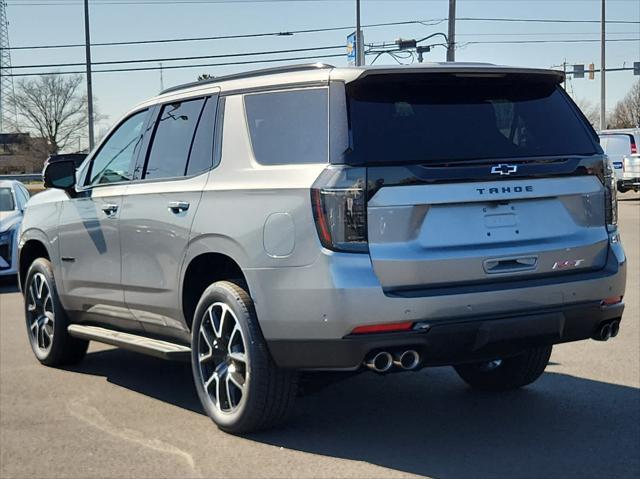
(634, 148)
(383, 328)
(610, 194)
(339, 202)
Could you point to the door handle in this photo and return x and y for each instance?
(110, 210)
(178, 206)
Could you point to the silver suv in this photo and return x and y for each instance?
(313, 218)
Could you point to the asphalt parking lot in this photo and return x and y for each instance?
(119, 414)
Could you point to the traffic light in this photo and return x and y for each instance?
(636, 68)
(592, 71)
(578, 71)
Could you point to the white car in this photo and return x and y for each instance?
(621, 146)
(13, 198)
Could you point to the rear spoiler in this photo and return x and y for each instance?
(462, 69)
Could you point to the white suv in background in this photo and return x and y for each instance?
(623, 149)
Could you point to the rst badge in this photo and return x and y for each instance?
(567, 264)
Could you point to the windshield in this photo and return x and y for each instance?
(6, 200)
(437, 118)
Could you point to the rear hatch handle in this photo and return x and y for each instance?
(510, 265)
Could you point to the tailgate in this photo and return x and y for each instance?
(438, 235)
(632, 166)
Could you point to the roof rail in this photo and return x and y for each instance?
(251, 73)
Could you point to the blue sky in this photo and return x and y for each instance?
(62, 23)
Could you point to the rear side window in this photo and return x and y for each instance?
(437, 118)
(201, 156)
(172, 139)
(289, 127)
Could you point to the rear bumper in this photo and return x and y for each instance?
(452, 341)
(629, 183)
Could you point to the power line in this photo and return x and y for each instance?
(199, 57)
(431, 22)
(299, 50)
(171, 67)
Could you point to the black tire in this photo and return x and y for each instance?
(267, 392)
(507, 374)
(60, 348)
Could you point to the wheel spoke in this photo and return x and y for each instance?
(39, 285)
(237, 379)
(240, 357)
(218, 330)
(228, 391)
(48, 301)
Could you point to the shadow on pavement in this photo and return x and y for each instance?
(430, 423)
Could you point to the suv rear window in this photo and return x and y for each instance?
(289, 127)
(437, 118)
(616, 145)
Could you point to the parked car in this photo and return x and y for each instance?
(621, 146)
(313, 218)
(13, 198)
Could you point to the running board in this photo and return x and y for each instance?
(132, 342)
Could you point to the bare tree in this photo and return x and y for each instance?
(626, 113)
(590, 110)
(53, 107)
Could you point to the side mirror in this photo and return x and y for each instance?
(60, 174)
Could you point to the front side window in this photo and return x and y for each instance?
(6, 200)
(113, 162)
(172, 139)
(289, 127)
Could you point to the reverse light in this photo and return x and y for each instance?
(339, 202)
(383, 328)
(611, 300)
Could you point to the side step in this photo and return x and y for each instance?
(132, 342)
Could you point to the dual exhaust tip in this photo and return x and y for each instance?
(383, 361)
(607, 331)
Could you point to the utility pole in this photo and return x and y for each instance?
(451, 35)
(8, 112)
(603, 109)
(89, 86)
(161, 79)
(359, 42)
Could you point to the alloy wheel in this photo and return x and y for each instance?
(223, 360)
(40, 313)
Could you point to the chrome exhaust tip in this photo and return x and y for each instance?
(603, 333)
(615, 328)
(406, 360)
(380, 362)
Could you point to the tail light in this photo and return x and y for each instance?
(339, 201)
(610, 194)
(634, 148)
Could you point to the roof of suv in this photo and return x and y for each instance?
(322, 73)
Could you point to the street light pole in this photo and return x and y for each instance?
(603, 109)
(89, 85)
(359, 42)
(451, 35)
